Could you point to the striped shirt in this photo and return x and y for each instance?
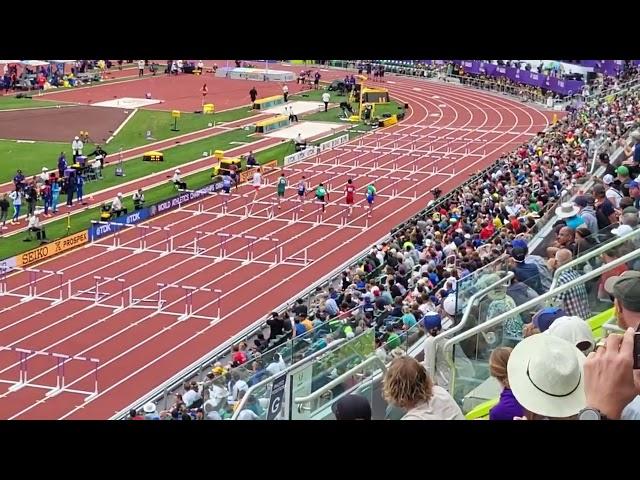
(575, 300)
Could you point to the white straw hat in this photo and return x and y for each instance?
(546, 376)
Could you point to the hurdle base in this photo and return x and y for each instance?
(16, 386)
(90, 397)
(53, 392)
(183, 317)
(26, 299)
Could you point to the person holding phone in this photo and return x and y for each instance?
(612, 372)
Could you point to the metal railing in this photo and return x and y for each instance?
(301, 401)
(266, 381)
(498, 320)
(596, 252)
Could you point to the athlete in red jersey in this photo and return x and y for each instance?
(349, 191)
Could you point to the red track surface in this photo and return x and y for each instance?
(139, 349)
(182, 92)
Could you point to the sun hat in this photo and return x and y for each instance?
(149, 407)
(546, 376)
(567, 210)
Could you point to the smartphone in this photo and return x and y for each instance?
(636, 351)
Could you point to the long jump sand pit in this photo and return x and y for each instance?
(61, 124)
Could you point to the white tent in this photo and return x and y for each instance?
(7, 62)
(34, 63)
(62, 61)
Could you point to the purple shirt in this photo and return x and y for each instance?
(507, 408)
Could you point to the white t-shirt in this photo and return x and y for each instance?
(614, 197)
(257, 179)
(442, 406)
(34, 222)
(325, 97)
(76, 146)
(190, 396)
(176, 177)
(200, 65)
(141, 64)
(116, 204)
(285, 89)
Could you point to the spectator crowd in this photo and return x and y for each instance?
(416, 284)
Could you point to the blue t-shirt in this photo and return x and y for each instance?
(300, 329)
(574, 222)
(408, 320)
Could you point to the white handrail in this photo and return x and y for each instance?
(592, 254)
(337, 381)
(269, 379)
(541, 298)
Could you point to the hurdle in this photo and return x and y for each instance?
(153, 303)
(33, 274)
(251, 240)
(188, 301)
(94, 293)
(394, 185)
(303, 260)
(319, 212)
(60, 359)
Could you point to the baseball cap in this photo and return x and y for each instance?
(634, 184)
(543, 319)
(607, 179)
(626, 289)
(574, 330)
(630, 210)
(352, 407)
(622, 170)
(432, 320)
(519, 243)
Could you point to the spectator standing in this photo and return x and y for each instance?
(4, 210)
(70, 188)
(325, 98)
(285, 92)
(16, 196)
(253, 94)
(45, 193)
(80, 187)
(140, 68)
(55, 195)
(76, 148)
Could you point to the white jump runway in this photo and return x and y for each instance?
(307, 130)
(127, 102)
(298, 108)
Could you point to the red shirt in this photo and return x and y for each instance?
(350, 190)
(487, 232)
(239, 357)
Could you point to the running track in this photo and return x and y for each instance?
(138, 349)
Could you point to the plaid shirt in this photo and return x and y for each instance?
(575, 300)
